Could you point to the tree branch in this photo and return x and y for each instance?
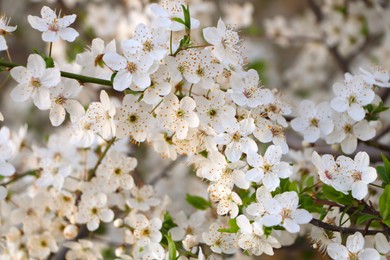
(319, 223)
(80, 78)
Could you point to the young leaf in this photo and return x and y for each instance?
(233, 228)
(171, 248)
(198, 202)
(384, 203)
(364, 218)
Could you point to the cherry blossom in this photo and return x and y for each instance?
(4, 30)
(34, 82)
(354, 249)
(52, 27)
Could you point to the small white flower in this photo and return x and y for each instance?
(40, 246)
(62, 100)
(92, 60)
(177, 115)
(237, 140)
(143, 198)
(93, 209)
(152, 42)
(4, 30)
(146, 231)
(187, 226)
(228, 201)
(102, 116)
(283, 209)
(267, 131)
(219, 242)
(83, 249)
(352, 96)
(362, 175)
(247, 92)
(34, 82)
(225, 42)
(214, 111)
(116, 170)
(347, 131)
(253, 239)
(354, 249)
(167, 11)
(133, 119)
(133, 68)
(313, 121)
(377, 76)
(268, 169)
(53, 27)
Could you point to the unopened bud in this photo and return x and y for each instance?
(118, 223)
(71, 231)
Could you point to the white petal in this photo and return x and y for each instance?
(106, 215)
(57, 115)
(243, 223)
(369, 254)
(37, 23)
(291, 226)
(36, 65)
(3, 193)
(337, 251)
(359, 190)
(356, 112)
(355, 242)
(68, 34)
(6, 169)
(50, 36)
(122, 80)
(51, 77)
(41, 98)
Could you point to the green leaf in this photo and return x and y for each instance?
(331, 194)
(386, 222)
(171, 248)
(168, 223)
(198, 202)
(187, 17)
(233, 227)
(364, 218)
(49, 62)
(384, 171)
(384, 203)
(179, 20)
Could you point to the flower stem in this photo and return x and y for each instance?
(109, 144)
(80, 78)
(16, 177)
(50, 48)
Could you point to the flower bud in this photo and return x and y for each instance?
(71, 231)
(118, 223)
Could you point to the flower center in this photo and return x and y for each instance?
(36, 83)
(180, 113)
(212, 112)
(148, 46)
(54, 25)
(357, 176)
(133, 118)
(348, 129)
(99, 61)
(60, 100)
(351, 99)
(236, 137)
(131, 67)
(314, 122)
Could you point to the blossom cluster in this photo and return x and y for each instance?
(191, 98)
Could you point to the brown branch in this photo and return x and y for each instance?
(344, 230)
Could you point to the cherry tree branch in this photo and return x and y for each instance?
(80, 78)
(344, 230)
